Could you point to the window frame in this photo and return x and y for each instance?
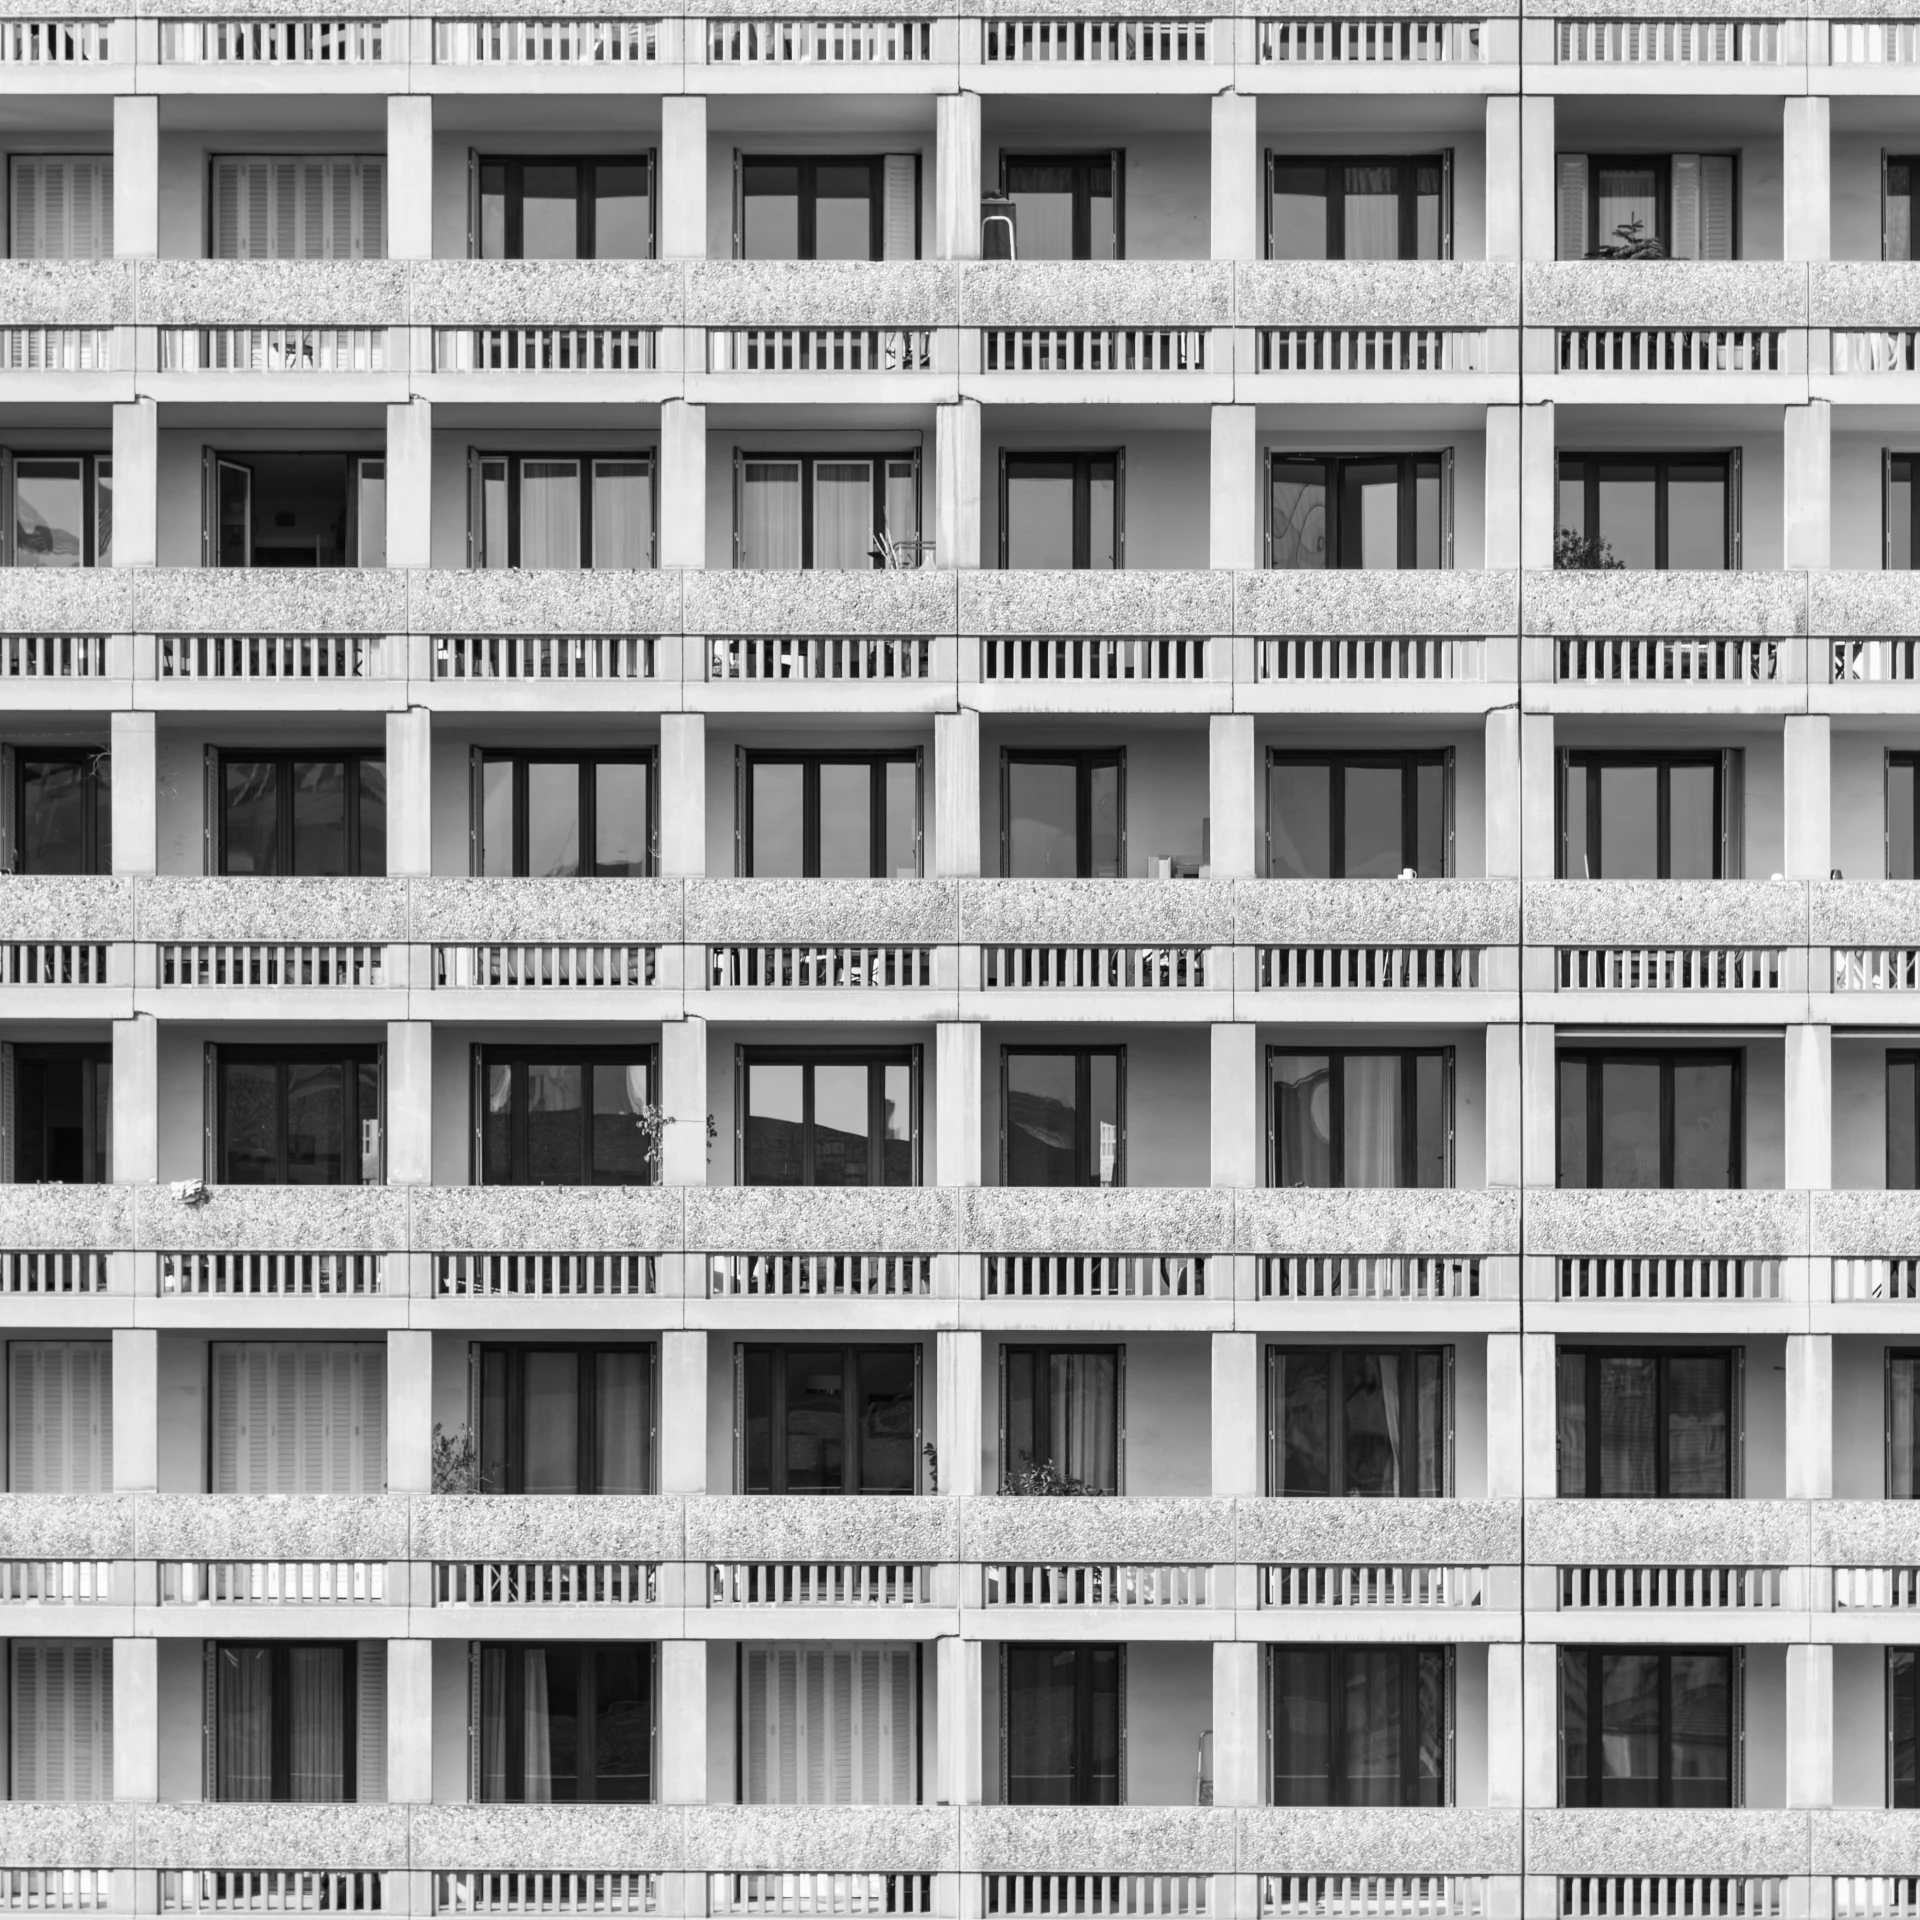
(1667, 1058)
(96, 1132)
(1277, 1350)
(1082, 160)
(360, 467)
(283, 760)
(1594, 761)
(1733, 1363)
(1409, 1058)
(810, 761)
(1080, 461)
(876, 1059)
(1407, 483)
(359, 165)
(1083, 1770)
(1409, 198)
(1662, 461)
(1085, 761)
(96, 823)
(852, 1455)
(511, 1355)
(807, 197)
(480, 458)
(349, 1055)
(1908, 1177)
(1338, 1653)
(514, 1674)
(1085, 1149)
(280, 1689)
(1902, 1669)
(1907, 763)
(1407, 762)
(1661, 165)
(519, 1056)
(589, 760)
(1894, 1355)
(1888, 160)
(808, 461)
(1042, 1352)
(586, 205)
(96, 492)
(1665, 1654)
(1890, 459)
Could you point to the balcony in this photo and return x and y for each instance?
(268, 600)
(458, 1838)
(1647, 1844)
(1157, 1840)
(316, 1220)
(1463, 1841)
(845, 1221)
(994, 602)
(469, 601)
(285, 1528)
(748, 1841)
(1338, 601)
(68, 1835)
(365, 1836)
(1688, 605)
(512, 1558)
(820, 1537)
(63, 939)
(1000, 1530)
(1155, 1220)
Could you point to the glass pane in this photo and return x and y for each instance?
(1900, 515)
(884, 1416)
(250, 1122)
(841, 1156)
(1302, 1459)
(549, 211)
(49, 513)
(1629, 1729)
(846, 820)
(1577, 859)
(1571, 1423)
(1573, 497)
(1042, 1121)
(1693, 837)
(620, 830)
(496, 549)
(1630, 823)
(1303, 1727)
(1698, 1458)
(1083, 1422)
(1374, 1709)
(1903, 1137)
(1373, 824)
(1429, 529)
(1575, 1730)
(1370, 515)
(1103, 820)
(1432, 1123)
(53, 817)
(1023, 1376)
(370, 514)
(496, 1129)
(1427, 213)
(770, 210)
(902, 861)
(1700, 1757)
(1297, 214)
(843, 514)
(1042, 198)
(1903, 1693)
(1626, 513)
(1043, 836)
(367, 1114)
(552, 1723)
(1429, 1729)
(622, 1722)
(622, 1423)
(1300, 821)
(553, 819)
(1900, 821)
(554, 1124)
(373, 816)
(1629, 1426)
(622, 514)
(1703, 1122)
(1303, 1119)
(816, 1420)
(1370, 1396)
(550, 1423)
(1572, 1154)
(1042, 1724)
(621, 215)
(243, 1716)
(56, 1137)
(1039, 510)
(1697, 517)
(1103, 231)
(1899, 240)
(756, 1392)
(902, 507)
(1103, 510)
(774, 1125)
(250, 827)
(235, 528)
(550, 513)
(1371, 210)
(1627, 203)
(843, 211)
(319, 816)
(495, 1443)
(619, 1147)
(1299, 514)
(1430, 1401)
(779, 822)
(1430, 820)
(1629, 1123)
(103, 516)
(493, 211)
(1103, 1124)
(1372, 1120)
(316, 1123)
(896, 1119)
(496, 817)
(1903, 1379)
(770, 512)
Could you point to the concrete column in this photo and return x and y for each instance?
(409, 1141)
(683, 1723)
(1539, 1141)
(1505, 802)
(1540, 1721)
(1539, 497)
(1233, 522)
(957, 519)
(410, 1722)
(1237, 1134)
(409, 1410)
(683, 177)
(136, 1719)
(959, 1148)
(135, 1146)
(683, 1412)
(410, 791)
(1237, 1744)
(409, 484)
(410, 177)
(1537, 167)
(962, 1757)
(1808, 781)
(1809, 1416)
(956, 795)
(1539, 1463)
(683, 796)
(958, 1444)
(1806, 209)
(686, 1100)
(135, 796)
(1808, 451)
(1236, 177)
(1506, 1417)
(1505, 1134)
(136, 182)
(1504, 231)
(1539, 810)
(1809, 1107)
(956, 225)
(1235, 1406)
(136, 1409)
(683, 481)
(1233, 796)
(136, 483)
(1506, 1731)
(1503, 504)
(1809, 1721)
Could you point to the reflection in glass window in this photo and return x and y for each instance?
(567, 208)
(61, 510)
(1392, 208)
(831, 815)
(1061, 1728)
(1646, 1729)
(1645, 1426)
(1061, 510)
(566, 1420)
(829, 1117)
(1064, 1116)
(1060, 1415)
(1357, 816)
(297, 1116)
(1654, 510)
(63, 810)
(1063, 814)
(827, 208)
(1358, 1423)
(835, 512)
(561, 511)
(1650, 1119)
(297, 1721)
(564, 1118)
(564, 816)
(1360, 1726)
(565, 1722)
(820, 1419)
(1066, 205)
(1361, 1117)
(1381, 512)
(62, 1114)
(302, 813)
(1644, 816)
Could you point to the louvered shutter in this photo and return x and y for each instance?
(299, 1417)
(829, 1725)
(1716, 206)
(62, 207)
(6, 1112)
(901, 226)
(1571, 192)
(370, 209)
(62, 1720)
(60, 1416)
(370, 1721)
(1683, 241)
(298, 207)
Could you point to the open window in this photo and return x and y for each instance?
(830, 512)
(294, 509)
(1063, 1424)
(1359, 816)
(564, 1116)
(863, 206)
(1900, 511)
(59, 509)
(1903, 816)
(1659, 510)
(305, 812)
(297, 206)
(1644, 1119)
(1903, 1727)
(1063, 813)
(60, 206)
(828, 1116)
(563, 816)
(1063, 1116)
(823, 1419)
(60, 1745)
(829, 816)
(298, 1417)
(1360, 1422)
(1645, 1727)
(1067, 206)
(823, 1724)
(296, 1720)
(56, 815)
(59, 1416)
(1658, 1424)
(1627, 815)
(1678, 206)
(567, 1420)
(1382, 207)
(1063, 510)
(1362, 1726)
(1360, 1116)
(1381, 512)
(564, 207)
(1063, 1725)
(564, 1722)
(560, 511)
(56, 1113)
(295, 1115)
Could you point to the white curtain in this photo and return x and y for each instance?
(370, 504)
(60, 1416)
(299, 1417)
(770, 513)
(829, 1725)
(62, 1720)
(550, 513)
(243, 1727)
(1904, 1372)
(1371, 208)
(842, 514)
(316, 1723)
(1389, 1365)
(495, 548)
(1372, 1120)
(538, 1729)
(1084, 1414)
(622, 513)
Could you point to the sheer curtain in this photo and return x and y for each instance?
(1042, 194)
(492, 1784)
(770, 513)
(1372, 209)
(1387, 1373)
(1629, 1434)
(243, 1723)
(538, 1729)
(316, 1723)
(550, 513)
(622, 513)
(1904, 1374)
(842, 514)
(1372, 1120)
(1083, 1415)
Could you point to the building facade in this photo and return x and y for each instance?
(1049, 1048)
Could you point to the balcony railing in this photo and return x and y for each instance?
(1342, 1585)
(1876, 1589)
(1671, 350)
(819, 966)
(1385, 658)
(1648, 42)
(44, 1270)
(1667, 1277)
(1084, 659)
(543, 1276)
(266, 1890)
(52, 656)
(819, 349)
(273, 349)
(1086, 969)
(289, 1275)
(818, 42)
(56, 1889)
(54, 963)
(1387, 42)
(61, 1583)
(1873, 43)
(545, 42)
(56, 349)
(1348, 969)
(1015, 1584)
(1875, 660)
(1611, 659)
(545, 1583)
(1095, 1276)
(543, 656)
(207, 963)
(268, 656)
(1876, 350)
(544, 964)
(1358, 1276)
(1034, 1895)
(1874, 1277)
(289, 1583)
(827, 1896)
(827, 1276)
(818, 1583)
(1672, 1589)
(1670, 969)
(1112, 42)
(817, 657)
(1672, 1896)
(1372, 350)
(273, 42)
(543, 349)
(1093, 350)
(546, 1893)
(55, 43)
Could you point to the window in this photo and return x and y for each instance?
(62, 206)
(1064, 510)
(566, 1419)
(1901, 511)
(1375, 511)
(829, 1116)
(1654, 510)
(1062, 1726)
(1063, 1116)
(1643, 1729)
(566, 208)
(60, 509)
(309, 812)
(863, 206)
(1359, 816)
(1361, 1726)
(295, 509)
(60, 809)
(831, 512)
(566, 1722)
(1066, 206)
(1646, 1426)
(1360, 1117)
(298, 207)
(294, 1721)
(1359, 1423)
(295, 1116)
(825, 1725)
(832, 816)
(1903, 1424)
(1903, 1728)
(826, 1419)
(1896, 215)
(59, 1416)
(563, 816)
(1903, 1121)
(1062, 1420)
(1063, 815)
(1650, 1119)
(1649, 816)
(556, 1116)
(62, 1740)
(1903, 816)
(60, 1127)
(560, 511)
(298, 1417)
(1681, 206)
(1396, 207)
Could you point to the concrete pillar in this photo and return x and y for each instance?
(956, 795)
(136, 1100)
(1537, 166)
(957, 519)
(1506, 1417)
(962, 1757)
(959, 1148)
(1539, 497)
(409, 529)
(1809, 1416)
(1237, 1745)
(1539, 1141)
(683, 796)
(1808, 781)
(1236, 177)
(1502, 483)
(1539, 799)
(1506, 1731)
(409, 1141)
(1235, 1403)
(1806, 202)
(410, 1722)
(136, 1409)
(683, 177)
(1504, 232)
(1809, 1107)
(1238, 1137)
(409, 1410)
(683, 1723)
(683, 481)
(136, 181)
(136, 1719)
(1505, 803)
(136, 483)
(1539, 1463)
(956, 224)
(1808, 452)
(1233, 795)
(1233, 519)
(958, 1445)
(1540, 1721)
(1809, 1722)
(686, 1101)
(1505, 1134)
(410, 791)
(683, 1412)
(410, 176)
(135, 797)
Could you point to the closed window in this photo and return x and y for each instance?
(1359, 1422)
(1066, 206)
(1679, 206)
(566, 1420)
(296, 1721)
(60, 819)
(1063, 814)
(1903, 1121)
(1900, 512)
(1899, 172)
(1389, 208)
(1650, 1120)
(1903, 1727)
(1381, 512)
(1646, 1426)
(833, 816)
(563, 816)
(1360, 1117)
(298, 1417)
(565, 208)
(1063, 510)
(1062, 1726)
(1903, 816)
(61, 1696)
(1063, 1116)
(59, 509)
(1361, 1726)
(61, 206)
(827, 207)
(1647, 1729)
(555, 1116)
(59, 1416)
(295, 1116)
(294, 509)
(566, 1722)
(1359, 816)
(825, 1725)
(560, 512)
(294, 206)
(1653, 510)
(1903, 1424)
(299, 813)
(1062, 1419)
(1649, 816)
(829, 512)
(59, 1126)
(828, 1419)
(829, 1117)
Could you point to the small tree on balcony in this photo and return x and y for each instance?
(1631, 241)
(1573, 551)
(1043, 1479)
